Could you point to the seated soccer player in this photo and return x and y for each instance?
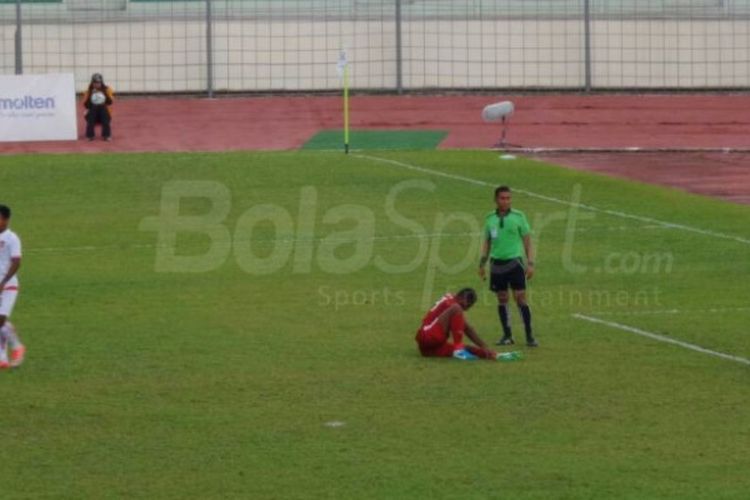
(446, 322)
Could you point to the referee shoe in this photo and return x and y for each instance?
(506, 340)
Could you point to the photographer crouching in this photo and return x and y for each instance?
(98, 99)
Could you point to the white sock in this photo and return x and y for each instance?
(9, 334)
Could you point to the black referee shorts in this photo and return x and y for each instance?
(507, 272)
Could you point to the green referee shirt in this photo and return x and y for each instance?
(506, 233)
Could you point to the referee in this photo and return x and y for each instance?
(507, 245)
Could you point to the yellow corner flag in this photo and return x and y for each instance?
(342, 67)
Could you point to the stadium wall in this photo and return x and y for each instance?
(144, 55)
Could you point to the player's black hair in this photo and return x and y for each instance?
(469, 294)
(5, 211)
(502, 189)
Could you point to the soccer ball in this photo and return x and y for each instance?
(98, 98)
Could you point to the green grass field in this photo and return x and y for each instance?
(146, 382)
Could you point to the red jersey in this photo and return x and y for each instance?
(441, 305)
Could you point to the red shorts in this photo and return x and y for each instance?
(433, 341)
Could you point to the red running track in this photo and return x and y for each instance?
(541, 121)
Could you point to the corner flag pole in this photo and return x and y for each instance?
(342, 68)
(346, 109)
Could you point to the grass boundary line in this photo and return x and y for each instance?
(668, 311)
(661, 338)
(636, 150)
(552, 199)
(385, 237)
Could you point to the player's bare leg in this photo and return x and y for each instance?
(4, 364)
(17, 349)
(490, 354)
(9, 340)
(449, 324)
(481, 353)
(481, 350)
(452, 322)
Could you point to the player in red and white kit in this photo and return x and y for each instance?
(446, 322)
(10, 261)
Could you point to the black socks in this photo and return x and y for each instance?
(502, 311)
(526, 315)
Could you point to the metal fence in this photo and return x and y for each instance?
(278, 45)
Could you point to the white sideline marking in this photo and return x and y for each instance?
(615, 213)
(88, 248)
(393, 237)
(617, 228)
(669, 311)
(634, 149)
(662, 338)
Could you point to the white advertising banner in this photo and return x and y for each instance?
(38, 108)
